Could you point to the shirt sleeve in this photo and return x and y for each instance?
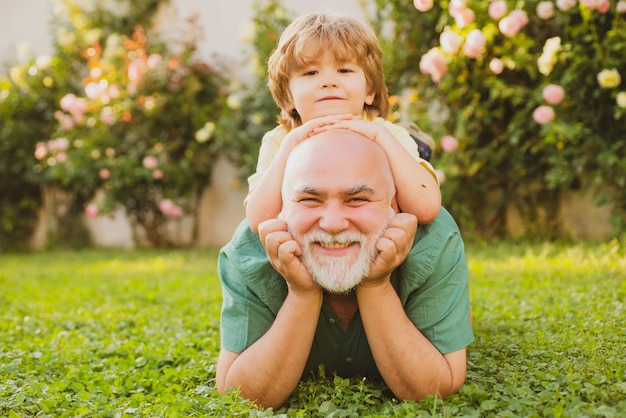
(403, 137)
(434, 285)
(252, 291)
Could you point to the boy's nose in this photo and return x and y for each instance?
(329, 83)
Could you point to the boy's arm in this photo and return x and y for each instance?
(264, 201)
(417, 190)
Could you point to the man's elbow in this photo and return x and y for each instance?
(438, 391)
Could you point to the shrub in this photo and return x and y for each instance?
(499, 70)
(27, 98)
(138, 121)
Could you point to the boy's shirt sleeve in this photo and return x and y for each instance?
(269, 147)
(402, 135)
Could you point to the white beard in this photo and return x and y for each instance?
(340, 274)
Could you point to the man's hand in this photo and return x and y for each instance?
(283, 253)
(393, 247)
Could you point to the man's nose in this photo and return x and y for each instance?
(333, 219)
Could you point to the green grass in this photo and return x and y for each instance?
(115, 334)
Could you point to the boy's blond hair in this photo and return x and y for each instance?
(347, 38)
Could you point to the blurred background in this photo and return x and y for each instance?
(136, 125)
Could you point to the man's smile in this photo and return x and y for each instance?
(335, 244)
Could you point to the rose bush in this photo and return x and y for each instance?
(532, 90)
(28, 95)
(138, 123)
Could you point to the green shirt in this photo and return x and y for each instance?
(432, 285)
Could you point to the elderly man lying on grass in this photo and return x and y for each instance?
(350, 284)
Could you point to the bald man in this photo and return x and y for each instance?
(341, 280)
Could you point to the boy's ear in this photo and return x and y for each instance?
(369, 99)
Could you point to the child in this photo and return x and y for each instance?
(326, 73)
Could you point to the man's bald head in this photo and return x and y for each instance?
(338, 152)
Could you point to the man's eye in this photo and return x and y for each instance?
(308, 200)
(357, 200)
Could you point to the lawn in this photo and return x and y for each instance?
(115, 334)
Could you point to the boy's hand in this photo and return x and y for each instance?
(310, 128)
(393, 247)
(283, 253)
(372, 130)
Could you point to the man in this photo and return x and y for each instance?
(351, 284)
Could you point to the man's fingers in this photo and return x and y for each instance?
(271, 225)
(404, 221)
(288, 250)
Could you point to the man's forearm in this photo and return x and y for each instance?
(409, 363)
(268, 371)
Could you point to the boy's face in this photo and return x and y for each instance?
(326, 86)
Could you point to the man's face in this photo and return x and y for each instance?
(337, 206)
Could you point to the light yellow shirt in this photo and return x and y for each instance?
(271, 142)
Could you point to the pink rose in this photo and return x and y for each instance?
(61, 157)
(434, 64)
(157, 174)
(91, 211)
(113, 91)
(553, 94)
(448, 143)
(94, 90)
(107, 116)
(513, 23)
(496, 65)
(104, 173)
(41, 151)
(543, 114)
(153, 61)
(150, 162)
(75, 106)
(135, 70)
(66, 121)
(497, 9)
(545, 10)
(603, 6)
(58, 144)
(465, 17)
(423, 5)
(456, 6)
(450, 41)
(474, 44)
(170, 209)
(565, 5)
